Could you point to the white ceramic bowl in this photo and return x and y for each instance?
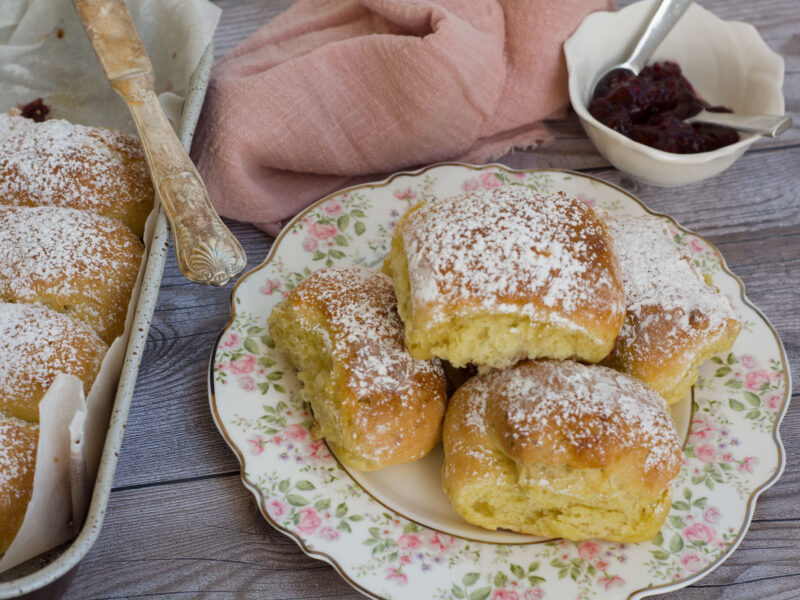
(726, 62)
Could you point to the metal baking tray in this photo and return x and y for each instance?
(48, 575)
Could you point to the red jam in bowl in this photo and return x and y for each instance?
(650, 109)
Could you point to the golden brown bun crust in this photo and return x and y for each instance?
(674, 321)
(18, 441)
(36, 344)
(56, 163)
(72, 261)
(560, 449)
(373, 402)
(520, 265)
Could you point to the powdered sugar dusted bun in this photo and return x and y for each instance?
(18, 442)
(561, 449)
(372, 402)
(72, 261)
(36, 344)
(56, 163)
(499, 275)
(675, 321)
(13, 123)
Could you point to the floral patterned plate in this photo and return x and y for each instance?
(393, 537)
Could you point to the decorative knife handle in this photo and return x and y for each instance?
(206, 250)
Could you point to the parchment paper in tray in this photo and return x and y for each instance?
(44, 53)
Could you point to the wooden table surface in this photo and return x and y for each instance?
(180, 524)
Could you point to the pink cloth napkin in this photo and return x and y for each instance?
(334, 89)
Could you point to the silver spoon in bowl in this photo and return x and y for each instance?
(766, 125)
(666, 15)
(661, 23)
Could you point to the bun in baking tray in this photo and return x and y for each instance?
(73, 261)
(18, 442)
(36, 344)
(57, 163)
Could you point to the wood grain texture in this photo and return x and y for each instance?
(181, 525)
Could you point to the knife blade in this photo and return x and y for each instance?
(114, 37)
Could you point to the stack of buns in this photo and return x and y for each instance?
(532, 291)
(73, 203)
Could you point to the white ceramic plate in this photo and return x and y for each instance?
(392, 534)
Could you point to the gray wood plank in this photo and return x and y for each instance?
(240, 18)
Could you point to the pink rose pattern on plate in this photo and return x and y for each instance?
(738, 399)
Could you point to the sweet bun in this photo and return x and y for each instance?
(56, 163)
(72, 261)
(561, 449)
(36, 344)
(18, 443)
(674, 320)
(495, 276)
(373, 403)
(12, 124)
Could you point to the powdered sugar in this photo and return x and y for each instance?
(17, 457)
(493, 247)
(13, 125)
(58, 163)
(37, 343)
(64, 253)
(570, 408)
(367, 333)
(366, 339)
(662, 287)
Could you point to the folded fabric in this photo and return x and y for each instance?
(334, 89)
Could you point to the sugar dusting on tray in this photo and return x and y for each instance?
(62, 164)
